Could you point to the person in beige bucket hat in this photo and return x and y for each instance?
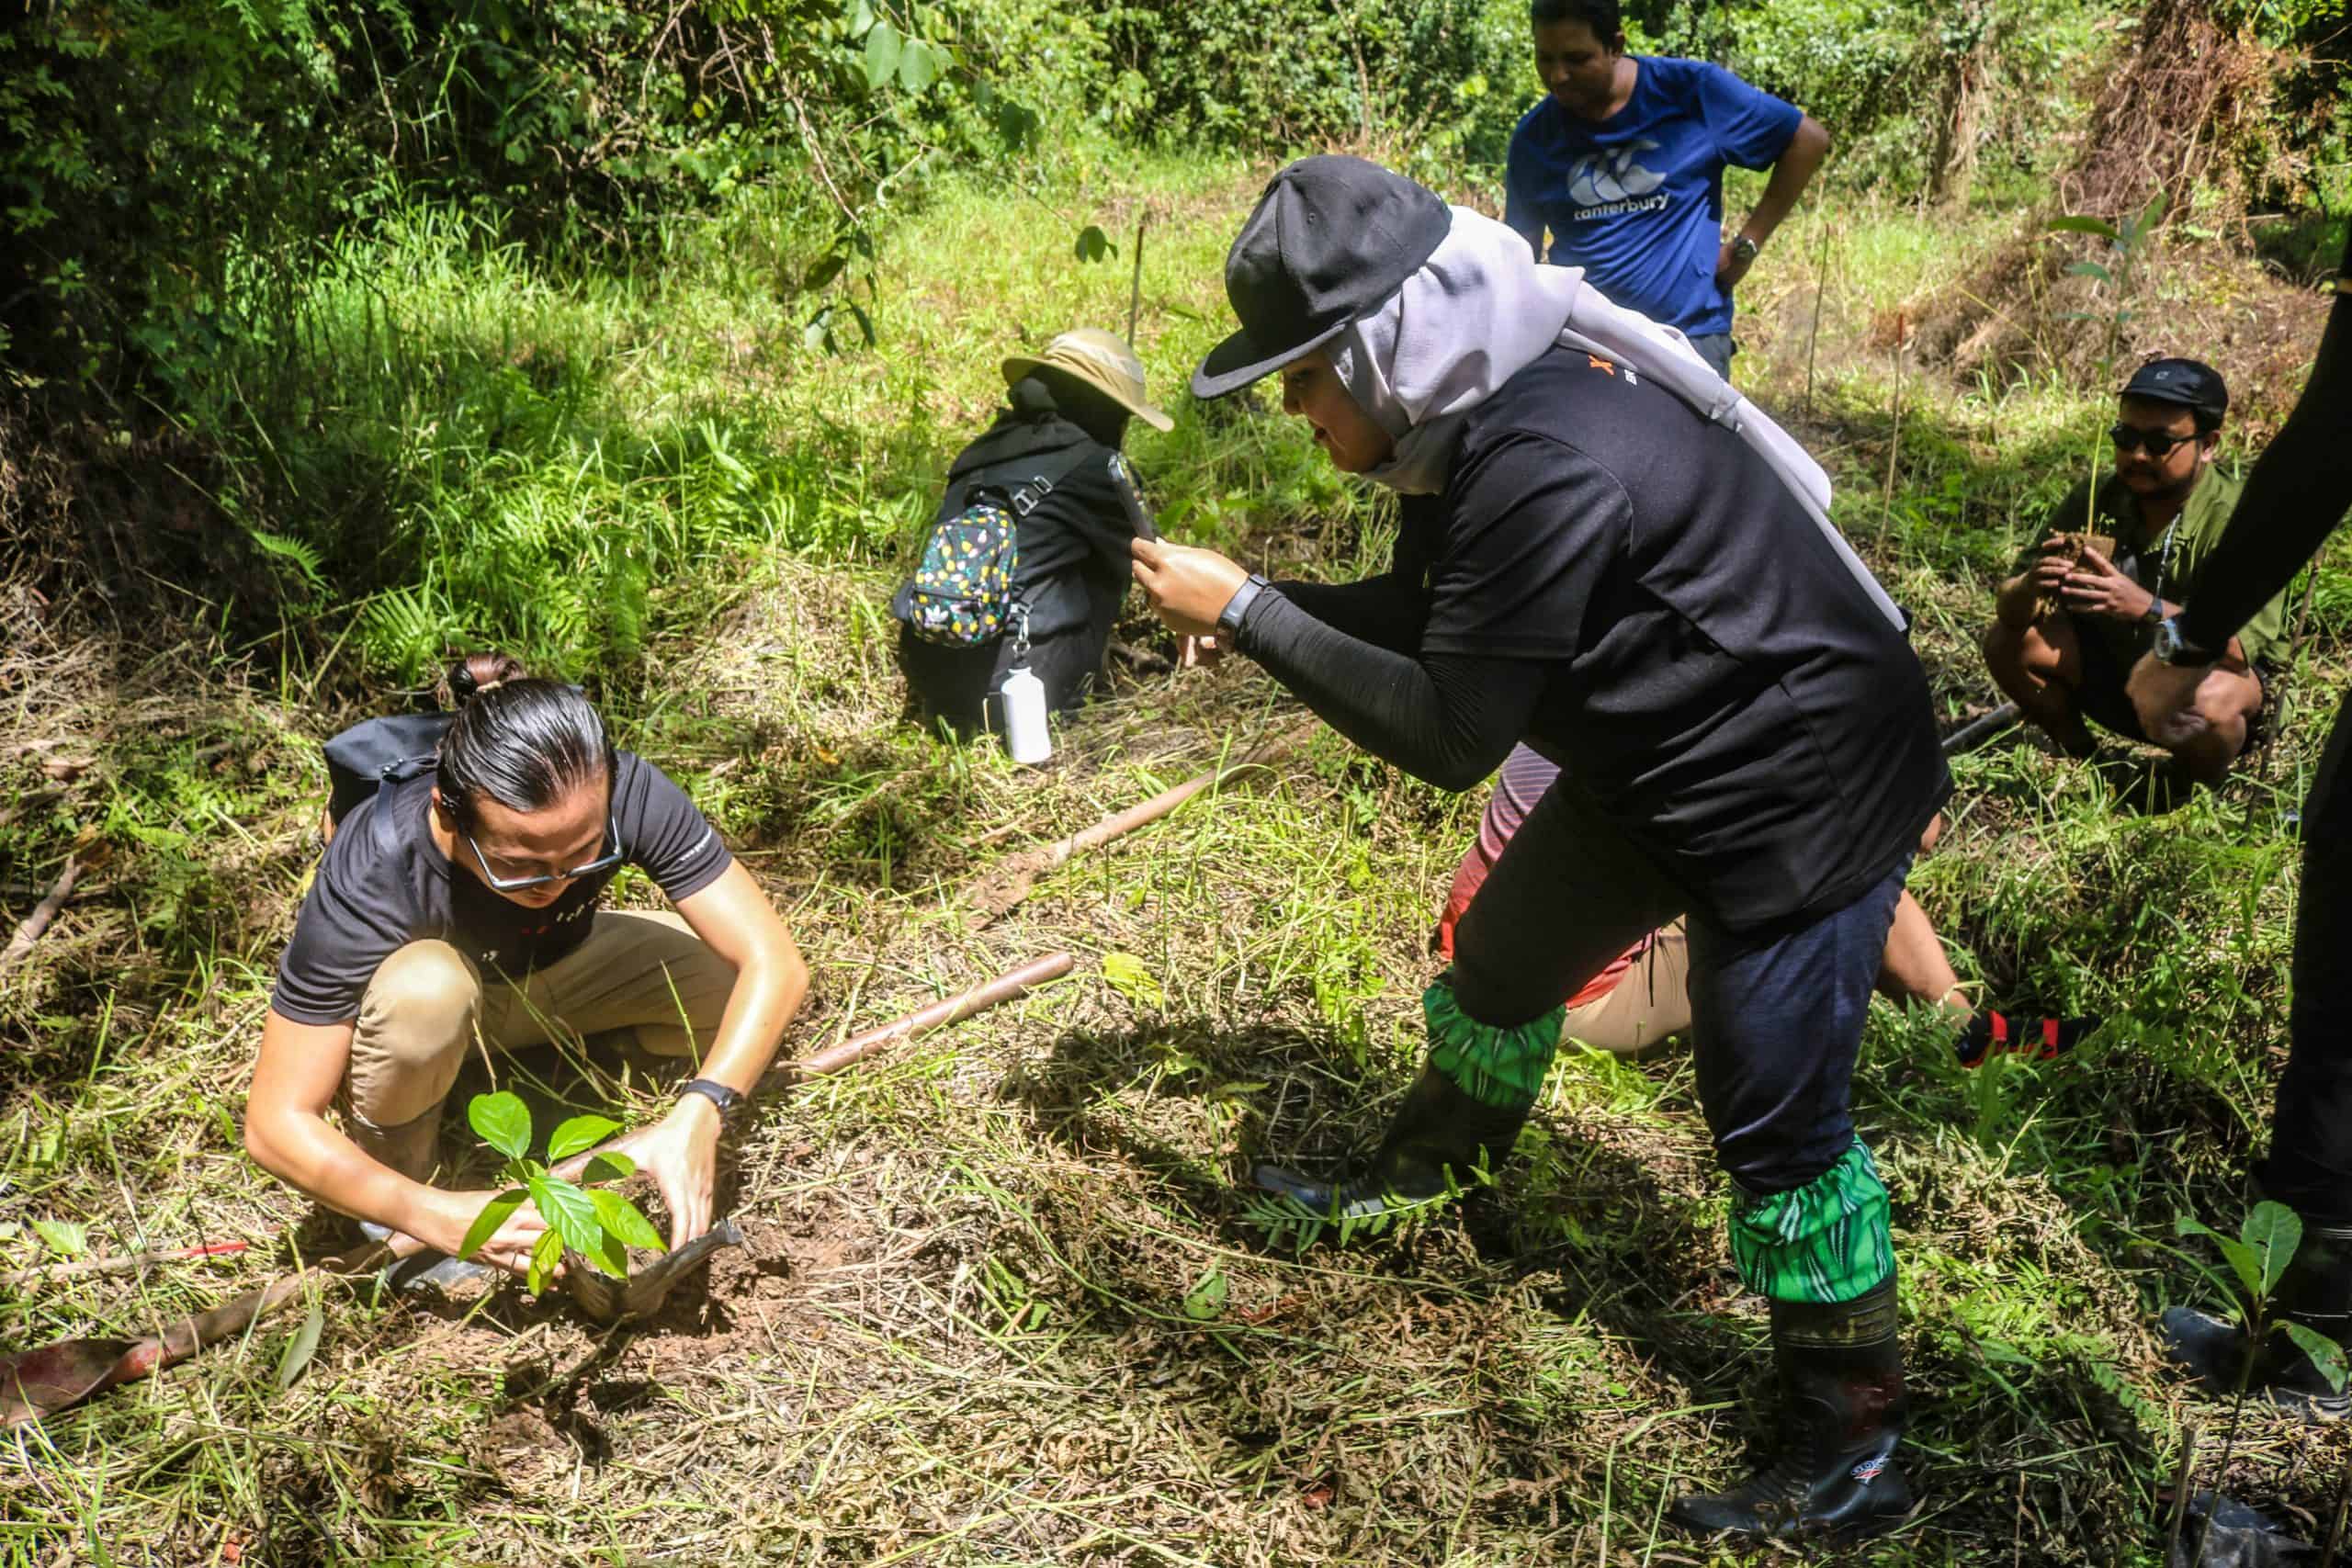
(1049, 466)
(1104, 361)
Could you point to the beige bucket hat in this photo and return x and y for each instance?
(1104, 361)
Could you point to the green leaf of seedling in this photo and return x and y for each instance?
(493, 1214)
(567, 1210)
(544, 1257)
(1206, 1300)
(623, 1219)
(861, 17)
(610, 1165)
(502, 1121)
(2241, 1256)
(1093, 245)
(580, 1133)
(2325, 1353)
(610, 1256)
(2273, 1231)
(63, 1237)
(2079, 225)
(299, 1348)
(882, 46)
(2089, 269)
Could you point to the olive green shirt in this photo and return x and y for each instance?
(2167, 565)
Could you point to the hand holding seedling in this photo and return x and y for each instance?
(2095, 586)
(681, 1153)
(601, 1226)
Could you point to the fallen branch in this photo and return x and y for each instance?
(35, 1383)
(134, 1262)
(1009, 987)
(43, 912)
(1008, 882)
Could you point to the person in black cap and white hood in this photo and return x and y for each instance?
(2087, 597)
(1649, 596)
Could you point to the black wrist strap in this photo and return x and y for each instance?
(1237, 609)
(731, 1103)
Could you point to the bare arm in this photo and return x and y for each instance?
(734, 917)
(300, 1068)
(1791, 174)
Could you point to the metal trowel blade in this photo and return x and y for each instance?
(641, 1295)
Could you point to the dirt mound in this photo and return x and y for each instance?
(2178, 119)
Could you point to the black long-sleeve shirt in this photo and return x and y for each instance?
(1633, 593)
(2298, 490)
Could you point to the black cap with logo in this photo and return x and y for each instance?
(1330, 242)
(2190, 383)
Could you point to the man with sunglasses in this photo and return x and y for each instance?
(2076, 615)
(455, 912)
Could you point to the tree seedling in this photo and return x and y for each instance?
(596, 1222)
(2265, 1243)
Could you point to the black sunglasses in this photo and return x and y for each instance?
(602, 863)
(2156, 444)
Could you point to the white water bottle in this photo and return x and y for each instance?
(1025, 717)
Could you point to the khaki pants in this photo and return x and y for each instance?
(1642, 1009)
(639, 970)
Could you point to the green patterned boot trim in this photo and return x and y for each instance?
(1826, 1242)
(1492, 1065)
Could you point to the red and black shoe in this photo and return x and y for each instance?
(1989, 1033)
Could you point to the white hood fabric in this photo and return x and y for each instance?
(1481, 310)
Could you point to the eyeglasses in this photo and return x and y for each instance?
(602, 863)
(2156, 444)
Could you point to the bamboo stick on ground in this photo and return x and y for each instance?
(1008, 882)
(128, 1263)
(43, 912)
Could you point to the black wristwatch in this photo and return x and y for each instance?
(732, 1106)
(1237, 609)
(2171, 648)
(2154, 614)
(1744, 248)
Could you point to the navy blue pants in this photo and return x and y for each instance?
(1776, 1016)
(2309, 1168)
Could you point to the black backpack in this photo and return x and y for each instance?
(361, 760)
(961, 593)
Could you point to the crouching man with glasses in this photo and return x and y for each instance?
(2088, 595)
(458, 905)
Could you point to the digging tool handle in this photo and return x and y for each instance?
(1009, 987)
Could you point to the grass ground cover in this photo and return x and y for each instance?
(1002, 1301)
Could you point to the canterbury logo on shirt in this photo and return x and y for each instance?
(1610, 175)
(1609, 183)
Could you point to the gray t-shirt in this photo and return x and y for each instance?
(384, 884)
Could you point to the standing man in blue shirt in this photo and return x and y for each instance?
(1623, 162)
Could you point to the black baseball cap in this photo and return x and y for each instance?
(2192, 384)
(1331, 241)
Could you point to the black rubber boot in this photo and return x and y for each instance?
(1842, 1408)
(1439, 1130)
(2316, 1292)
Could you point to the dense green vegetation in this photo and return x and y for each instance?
(339, 336)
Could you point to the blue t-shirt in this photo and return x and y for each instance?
(1637, 199)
